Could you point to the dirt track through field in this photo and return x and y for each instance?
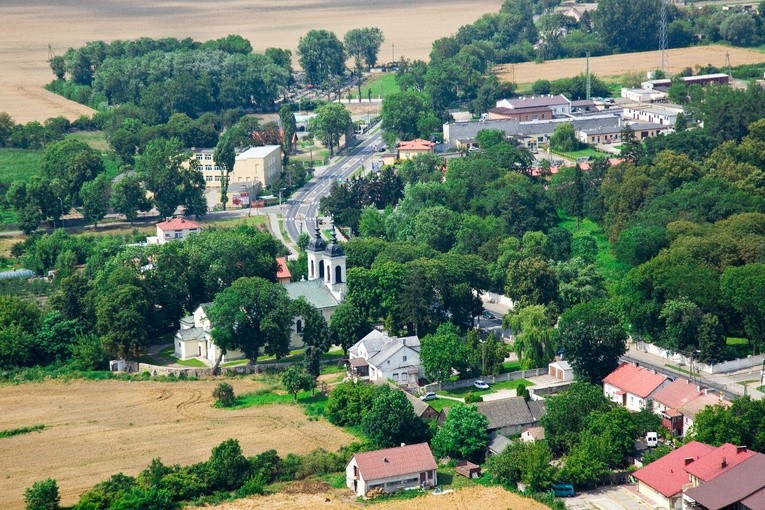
(29, 26)
(95, 429)
(483, 498)
(615, 65)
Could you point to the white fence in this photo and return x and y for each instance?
(717, 368)
(491, 379)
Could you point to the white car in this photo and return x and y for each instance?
(481, 384)
(428, 396)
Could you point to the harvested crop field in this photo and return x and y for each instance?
(485, 498)
(94, 429)
(29, 27)
(615, 65)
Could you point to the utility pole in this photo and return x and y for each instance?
(392, 53)
(588, 82)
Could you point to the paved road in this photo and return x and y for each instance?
(302, 208)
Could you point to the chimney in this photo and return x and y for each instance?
(687, 460)
(385, 460)
(403, 444)
(723, 463)
(706, 392)
(698, 388)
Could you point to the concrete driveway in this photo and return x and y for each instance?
(622, 497)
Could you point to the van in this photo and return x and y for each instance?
(562, 490)
(651, 439)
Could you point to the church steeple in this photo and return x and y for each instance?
(315, 252)
(334, 259)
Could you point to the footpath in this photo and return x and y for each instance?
(731, 384)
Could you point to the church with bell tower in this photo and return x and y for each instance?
(326, 262)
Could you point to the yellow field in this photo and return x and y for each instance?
(95, 429)
(409, 28)
(615, 65)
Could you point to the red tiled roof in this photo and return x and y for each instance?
(677, 393)
(417, 144)
(744, 483)
(668, 474)
(401, 460)
(282, 270)
(177, 224)
(636, 380)
(718, 461)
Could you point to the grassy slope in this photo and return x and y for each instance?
(19, 164)
(385, 80)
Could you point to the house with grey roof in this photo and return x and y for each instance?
(380, 357)
(509, 416)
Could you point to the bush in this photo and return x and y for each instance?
(472, 398)
(42, 495)
(228, 468)
(224, 395)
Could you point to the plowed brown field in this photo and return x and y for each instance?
(483, 498)
(95, 429)
(410, 27)
(615, 65)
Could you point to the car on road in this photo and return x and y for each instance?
(481, 384)
(561, 490)
(487, 315)
(428, 396)
(381, 149)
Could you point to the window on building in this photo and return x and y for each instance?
(299, 326)
(198, 156)
(404, 357)
(208, 178)
(208, 157)
(395, 377)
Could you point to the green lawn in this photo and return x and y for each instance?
(737, 348)
(678, 369)
(511, 366)
(18, 164)
(612, 270)
(168, 354)
(439, 403)
(380, 82)
(95, 139)
(504, 385)
(267, 397)
(298, 355)
(582, 153)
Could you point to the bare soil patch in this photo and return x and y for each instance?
(615, 65)
(94, 429)
(485, 498)
(28, 27)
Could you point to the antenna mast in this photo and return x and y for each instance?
(663, 35)
(588, 81)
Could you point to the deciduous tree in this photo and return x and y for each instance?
(463, 434)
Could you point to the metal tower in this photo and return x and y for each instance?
(663, 35)
(588, 82)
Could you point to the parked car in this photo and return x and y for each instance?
(428, 396)
(487, 315)
(563, 489)
(481, 384)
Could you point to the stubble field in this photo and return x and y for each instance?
(485, 498)
(616, 65)
(94, 429)
(29, 26)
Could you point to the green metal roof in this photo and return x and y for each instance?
(314, 292)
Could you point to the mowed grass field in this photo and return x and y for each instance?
(617, 65)
(94, 429)
(409, 28)
(483, 498)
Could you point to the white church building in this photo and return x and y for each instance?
(324, 289)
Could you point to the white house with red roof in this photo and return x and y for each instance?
(668, 400)
(631, 386)
(410, 149)
(663, 480)
(392, 469)
(174, 229)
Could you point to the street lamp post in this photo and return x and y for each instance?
(281, 209)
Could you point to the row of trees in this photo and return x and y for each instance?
(322, 55)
